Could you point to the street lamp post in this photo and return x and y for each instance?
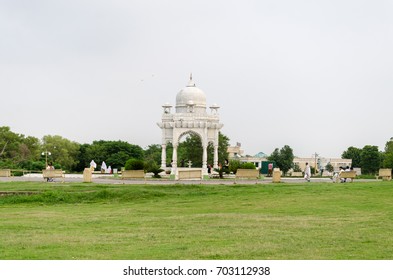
(315, 163)
(46, 153)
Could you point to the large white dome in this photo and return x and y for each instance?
(190, 95)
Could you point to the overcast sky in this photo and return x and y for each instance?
(314, 75)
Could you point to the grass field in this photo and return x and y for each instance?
(270, 221)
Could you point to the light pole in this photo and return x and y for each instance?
(46, 153)
(315, 165)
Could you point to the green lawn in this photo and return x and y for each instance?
(270, 221)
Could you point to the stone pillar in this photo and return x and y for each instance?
(204, 159)
(163, 156)
(215, 161)
(174, 156)
(87, 175)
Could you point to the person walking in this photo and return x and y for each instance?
(307, 172)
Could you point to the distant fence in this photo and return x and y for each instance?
(17, 172)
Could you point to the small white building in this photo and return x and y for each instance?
(319, 163)
(190, 117)
(235, 153)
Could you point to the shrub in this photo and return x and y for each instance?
(247, 165)
(156, 171)
(329, 167)
(234, 165)
(296, 168)
(152, 166)
(134, 164)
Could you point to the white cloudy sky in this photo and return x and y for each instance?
(314, 75)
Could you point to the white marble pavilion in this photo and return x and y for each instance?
(190, 117)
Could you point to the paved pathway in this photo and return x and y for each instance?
(109, 179)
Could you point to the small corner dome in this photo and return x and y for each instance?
(191, 95)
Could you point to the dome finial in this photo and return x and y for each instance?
(191, 83)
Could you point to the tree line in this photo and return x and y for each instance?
(18, 151)
(368, 158)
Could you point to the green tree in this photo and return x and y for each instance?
(62, 151)
(191, 149)
(9, 144)
(16, 149)
(114, 153)
(118, 160)
(370, 159)
(234, 165)
(329, 167)
(287, 157)
(275, 156)
(283, 158)
(83, 160)
(32, 148)
(388, 156)
(354, 154)
(296, 168)
(223, 144)
(153, 153)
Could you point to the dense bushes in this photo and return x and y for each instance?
(134, 164)
(234, 165)
(247, 165)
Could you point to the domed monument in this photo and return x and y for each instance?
(190, 118)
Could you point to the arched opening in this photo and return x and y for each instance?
(190, 150)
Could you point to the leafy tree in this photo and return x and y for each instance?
(33, 165)
(296, 168)
(153, 153)
(9, 143)
(114, 153)
(83, 160)
(370, 159)
(234, 165)
(191, 149)
(286, 158)
(275, 156)
(118, 160)
(63, 151)
(169, 152)
(329, 167)
(16, 149)
(354, 154)
(388, 156)
(31, 148)
(223, 144)
(283, 158)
